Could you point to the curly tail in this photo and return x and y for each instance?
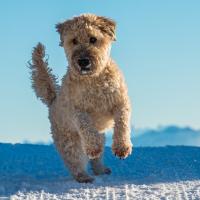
(43, 81)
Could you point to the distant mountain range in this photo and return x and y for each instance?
(170, 135)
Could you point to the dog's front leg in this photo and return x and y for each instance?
(91, 140)
(122, 145)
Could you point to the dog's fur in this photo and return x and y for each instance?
(86, 104)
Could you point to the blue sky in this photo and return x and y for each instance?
(157, 48)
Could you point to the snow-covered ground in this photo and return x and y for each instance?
(37, 172)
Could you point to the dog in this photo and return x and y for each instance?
(92, 98)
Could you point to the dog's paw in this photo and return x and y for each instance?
(122, 150)
(84, 178)
(102, 171)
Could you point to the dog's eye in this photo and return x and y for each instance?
(93, 40)
(74, 41)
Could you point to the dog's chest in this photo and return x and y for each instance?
(96, 97)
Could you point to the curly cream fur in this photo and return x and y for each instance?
(86, 104)
(43, 82)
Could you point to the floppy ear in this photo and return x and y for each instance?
(61, 28)
(107, 26)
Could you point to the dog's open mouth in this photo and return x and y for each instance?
(85, 69)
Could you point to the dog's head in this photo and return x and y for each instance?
(87, 42)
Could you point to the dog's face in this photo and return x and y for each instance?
(87, 43)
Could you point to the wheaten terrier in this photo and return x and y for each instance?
(91, 99)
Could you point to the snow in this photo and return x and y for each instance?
(37, 172)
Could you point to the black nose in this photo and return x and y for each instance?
(83, 62)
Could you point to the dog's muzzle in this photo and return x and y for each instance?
(84, 65)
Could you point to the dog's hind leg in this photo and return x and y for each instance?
(97, 163)
(70, 148)
(98, 167)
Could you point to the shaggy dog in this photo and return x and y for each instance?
(92, 98)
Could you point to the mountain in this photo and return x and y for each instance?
(170, 135)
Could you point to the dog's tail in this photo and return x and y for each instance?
(43, 81)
